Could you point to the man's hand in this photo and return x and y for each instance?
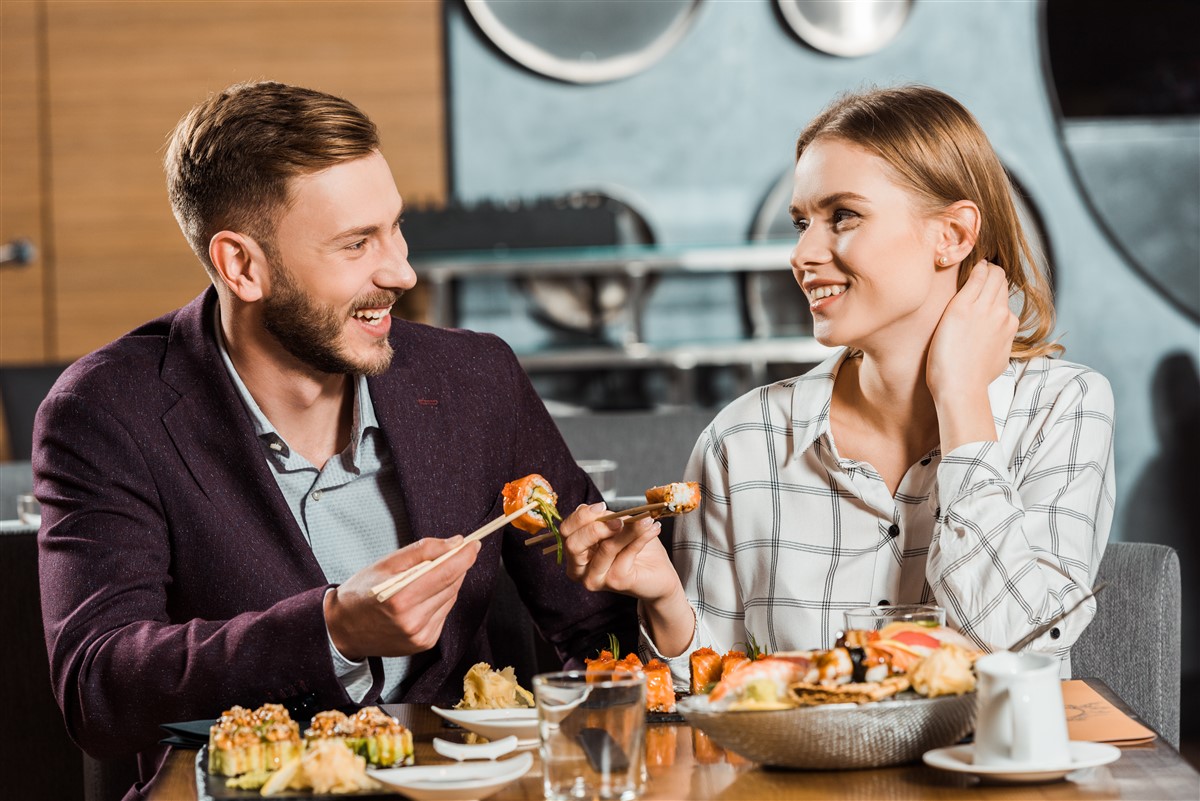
(970, 349)
(411, 620)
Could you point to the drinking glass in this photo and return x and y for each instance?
(592, 728)
(29, 511)
(871, 618)
(603, 473)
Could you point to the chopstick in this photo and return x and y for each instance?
(549, 535)
(386, 589)
(633, 511)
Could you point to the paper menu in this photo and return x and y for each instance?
(1093, 718)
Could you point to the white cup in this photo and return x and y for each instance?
(1021, 721)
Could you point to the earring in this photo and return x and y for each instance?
(942, 260)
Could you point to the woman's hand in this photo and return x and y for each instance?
(616, 555)
(970, 349)
(629, 558)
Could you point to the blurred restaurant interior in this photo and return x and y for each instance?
(605, 185)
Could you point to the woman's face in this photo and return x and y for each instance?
(865, 254)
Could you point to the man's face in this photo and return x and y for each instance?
(338, 265)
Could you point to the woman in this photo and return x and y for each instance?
(940, 456)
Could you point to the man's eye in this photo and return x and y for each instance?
(800, 225)
(359, 245)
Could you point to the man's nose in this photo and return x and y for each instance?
(395, 271)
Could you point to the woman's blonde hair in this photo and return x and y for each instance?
(939, 152)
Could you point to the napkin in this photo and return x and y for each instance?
(1091, 717)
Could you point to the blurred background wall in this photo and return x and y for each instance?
(1094, 114)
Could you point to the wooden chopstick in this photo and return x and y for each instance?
(549, 535)
(386, 589)
(648, 507)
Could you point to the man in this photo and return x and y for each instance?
(222, 487)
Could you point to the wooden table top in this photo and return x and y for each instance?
(683, 764)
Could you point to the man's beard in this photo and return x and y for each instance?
(310, 331)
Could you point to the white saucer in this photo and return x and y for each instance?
(496, 723)
(461, 781)
(960, 759)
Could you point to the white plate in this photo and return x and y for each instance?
(961, 759)
(495, 723)
(462, 781)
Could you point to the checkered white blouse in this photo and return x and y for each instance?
(1004, 535)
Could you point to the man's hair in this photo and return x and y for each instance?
(939, 152)
(230, 159)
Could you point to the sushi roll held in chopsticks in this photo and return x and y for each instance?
(680, 498)
(535, 489)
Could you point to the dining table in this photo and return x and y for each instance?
(683, 763)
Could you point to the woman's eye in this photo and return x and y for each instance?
(842, 216)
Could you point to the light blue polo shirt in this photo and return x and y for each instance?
(351, 511)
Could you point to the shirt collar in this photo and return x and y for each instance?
(814, 390)
(363, 418)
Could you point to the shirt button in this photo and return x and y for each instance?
(926, 461)
(884, 602)
(894, 531)
(316, 496)
(1055, 633)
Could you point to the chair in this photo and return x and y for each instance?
(1133, 643)
(22, 390)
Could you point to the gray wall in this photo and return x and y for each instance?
(696, 141)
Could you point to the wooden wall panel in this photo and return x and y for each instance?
(121, 74)
(22, 323)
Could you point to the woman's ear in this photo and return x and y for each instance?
(240, 263)
(958, 233)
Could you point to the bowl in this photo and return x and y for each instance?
(838, 736)
(496, 723)
(463, 781)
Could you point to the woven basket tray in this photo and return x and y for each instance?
(838, 736)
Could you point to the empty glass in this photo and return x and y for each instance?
(592, 728)
(29, 511)
(603, 473)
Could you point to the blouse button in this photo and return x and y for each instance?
(884, 602)
(894, 531)
(316, 496)
(1055, 633)
(926, 461)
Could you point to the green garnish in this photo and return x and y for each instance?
(614, 645)
(550, 514)
(753, 649)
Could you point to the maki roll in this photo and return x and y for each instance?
(242, 741)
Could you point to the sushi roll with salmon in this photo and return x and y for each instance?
(534, 489)
(680, 498)
(660, 690)
(705, 666)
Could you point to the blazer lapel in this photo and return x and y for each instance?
(215, 437)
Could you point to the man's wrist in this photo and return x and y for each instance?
(333, 625)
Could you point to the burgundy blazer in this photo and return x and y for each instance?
(175, 581)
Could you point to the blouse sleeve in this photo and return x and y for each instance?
(703, 551)
(1016, 544)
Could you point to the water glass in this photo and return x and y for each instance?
(603, 473)
(872, 618)
(29, 511)
(592, 729)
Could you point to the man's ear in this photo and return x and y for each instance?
(958, 233)
(240, 263)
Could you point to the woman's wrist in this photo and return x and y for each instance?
(670, 621)
(964, 417)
